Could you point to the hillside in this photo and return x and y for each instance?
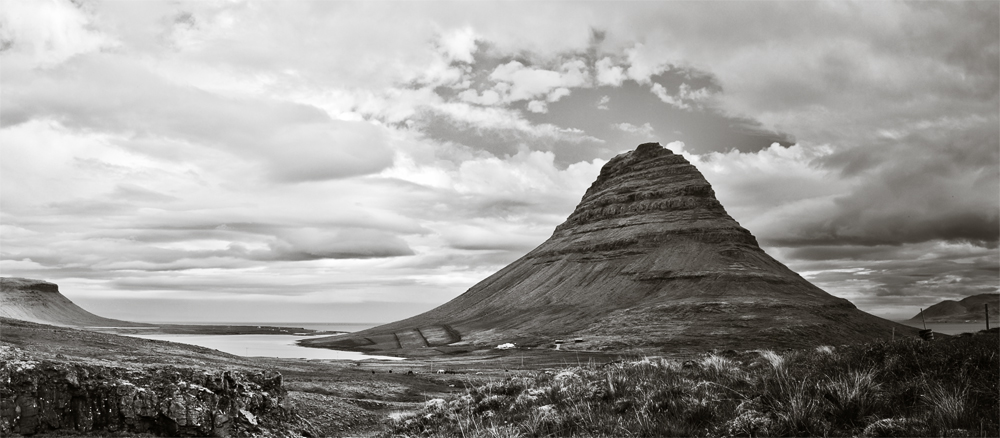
(40, 301)
(969, 309)
(650, 260)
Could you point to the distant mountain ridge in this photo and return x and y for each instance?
(970, 309)
(649, 259)
(41, 302)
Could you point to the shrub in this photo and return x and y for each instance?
(948, 405)
(852, 396)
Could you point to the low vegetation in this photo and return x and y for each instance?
(894, 388)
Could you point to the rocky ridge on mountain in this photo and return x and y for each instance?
(648, 260)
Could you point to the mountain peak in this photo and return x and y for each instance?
(650, 181)
(648, 259)
(650, 149)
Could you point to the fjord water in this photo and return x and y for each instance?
(953, 328)
(270, 345)
(349, 327)
(262, 345)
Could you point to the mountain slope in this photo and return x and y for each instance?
(968, 309)
(648, 259)
(40, 301)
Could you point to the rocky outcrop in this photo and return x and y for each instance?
(40, 301)
(649, 259)
(63, 397)
(969, 309)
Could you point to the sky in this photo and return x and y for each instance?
(366, 161)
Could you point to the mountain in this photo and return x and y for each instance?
(40, 301)
(968, 309)
(649, 259)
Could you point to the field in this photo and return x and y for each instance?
(907, 387)
(895, 388)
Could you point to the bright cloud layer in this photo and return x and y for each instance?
(363, 161)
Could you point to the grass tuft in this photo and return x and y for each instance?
(897, 388)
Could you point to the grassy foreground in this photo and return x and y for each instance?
(894, 388)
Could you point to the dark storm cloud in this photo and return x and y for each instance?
(934, 183)
(928, 277)
(895, 280)
(806, 254)
(922, 280)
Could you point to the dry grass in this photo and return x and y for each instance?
(900, 388)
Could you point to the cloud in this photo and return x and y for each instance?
(313, 243)
(603, 103)
(248, 146)
(48, 32)
(525, 188)
(89, 204)
(460, 44)
(685, 98)
(497, 130)
(642, 65)
(643, 131)
(609, 74)
(487, 98)
(489, 237)
(537, 106)
(293, 142)
(517, 82)
(662, 93)
(930, 184)
(896, 281)
(892, 226)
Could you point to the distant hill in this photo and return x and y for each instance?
(968, 309)
(40, 301)
(649, 259)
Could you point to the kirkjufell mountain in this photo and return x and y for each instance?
(40, 301)
(649, 259)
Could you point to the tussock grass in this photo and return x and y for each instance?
(892, 388)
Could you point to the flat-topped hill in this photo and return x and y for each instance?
(40, 301)
(649, 259)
